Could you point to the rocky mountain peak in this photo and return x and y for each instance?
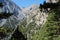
(31, 7)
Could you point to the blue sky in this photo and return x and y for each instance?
(25, 3)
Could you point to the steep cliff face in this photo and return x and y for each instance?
(34, 21)
(8, 23)
(34, 11)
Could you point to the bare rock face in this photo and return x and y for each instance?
(10, 16)
(34, 11)
(34, 21)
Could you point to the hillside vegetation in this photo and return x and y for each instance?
(51, 29)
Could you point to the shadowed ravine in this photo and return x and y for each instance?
(18, 36)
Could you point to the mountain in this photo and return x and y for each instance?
(41, 25)
(34, 10)
(28, 23)
(28, 20)
(34, 21)
(8, 22)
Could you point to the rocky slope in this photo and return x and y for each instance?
(9, 24)
(33, 22)
(34, 11)
(41, 25)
